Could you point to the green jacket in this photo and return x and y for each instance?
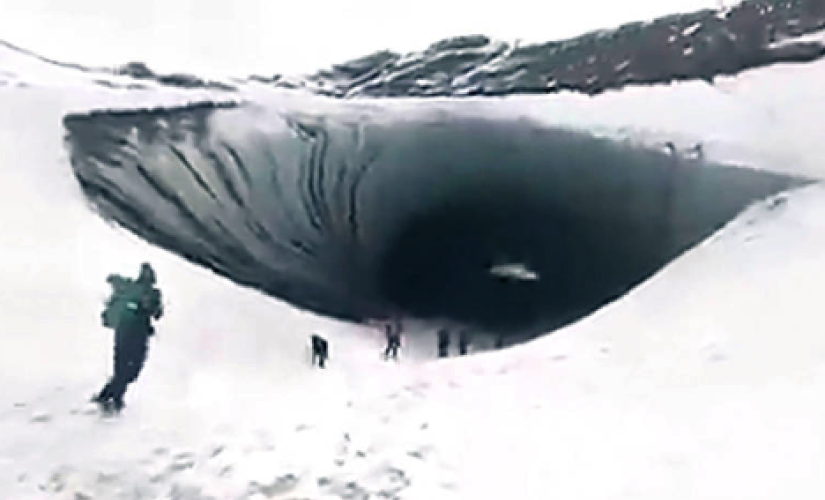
(131, 304)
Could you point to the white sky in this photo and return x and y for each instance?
(240, 37)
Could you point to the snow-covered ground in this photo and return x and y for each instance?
(766, 118)
(705, 382)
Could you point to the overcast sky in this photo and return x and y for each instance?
(239, 37)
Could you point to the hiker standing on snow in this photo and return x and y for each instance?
(129, 311)
(393, 331)
(443, 343)
(463, 342)
(320, 350)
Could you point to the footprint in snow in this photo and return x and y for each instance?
(160, 451)
(41, 418)
(278, 486)
(181, 463)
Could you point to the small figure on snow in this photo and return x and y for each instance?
(463, 342)
(393, 331)
(320, 350)
(129, 312)
(443, 343)
(698, 151)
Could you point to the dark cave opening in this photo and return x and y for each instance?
(439, 264)
(444, 203)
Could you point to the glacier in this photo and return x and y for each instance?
(364, 213)
(702, 381)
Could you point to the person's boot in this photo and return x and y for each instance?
(118, 405)
(112, 407)
(104, 395)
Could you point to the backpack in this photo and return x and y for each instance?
(129, 302)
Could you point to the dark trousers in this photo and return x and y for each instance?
(393, 344)
(320, 351)
(131, 348)
(463, 345)
(443, 348)
(443, 344)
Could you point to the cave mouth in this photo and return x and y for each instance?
(505, 261)
(499, 224)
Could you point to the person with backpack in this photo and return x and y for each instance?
(129, 312)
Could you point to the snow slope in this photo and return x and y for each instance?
(218, 344)
(764, 118)
(704, 382)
